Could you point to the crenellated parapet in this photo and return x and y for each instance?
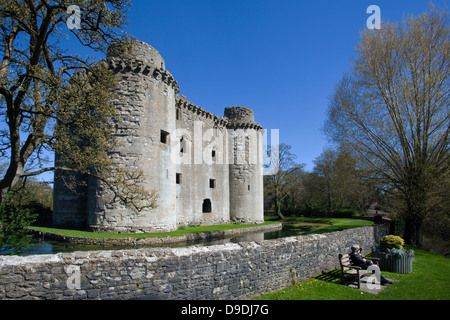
(244, 125)
(234, 118)
(140, 58)
(137, 66)
(182, 103)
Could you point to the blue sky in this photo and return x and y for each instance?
(281, 58)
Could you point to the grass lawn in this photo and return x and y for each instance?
(176, 233)
(430, 280)
(326, 225)
(337, 224)
(302, 226)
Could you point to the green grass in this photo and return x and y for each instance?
(323, 225)
(176, 233)
(429, 280)
(339, 224)
(329, 225)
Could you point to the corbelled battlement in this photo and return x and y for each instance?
(234, 117)
(139, 57)
(182, 102)
(136, 50)
(241, 117)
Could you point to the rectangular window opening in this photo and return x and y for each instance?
(164, 137)
(212, 183)
(182, 145)
(178, 178)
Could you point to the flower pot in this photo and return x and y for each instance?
(397, 261)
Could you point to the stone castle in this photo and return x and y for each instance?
(206, 169)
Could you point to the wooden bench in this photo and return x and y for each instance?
(348, 268)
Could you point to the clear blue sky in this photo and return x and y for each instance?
(281, 58)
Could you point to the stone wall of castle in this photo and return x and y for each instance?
(230, 271)
(202, 187)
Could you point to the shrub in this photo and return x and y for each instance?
(390, 242)
(14, 223)
(312, 211)
(345, 213)
(394, 252)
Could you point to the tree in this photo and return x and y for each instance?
(338, 181)
(324, 168)
(14, 222)
(313, 197)
(366, 189)
(54, 101)
(294, 189)
(392, 109)
(280, 183)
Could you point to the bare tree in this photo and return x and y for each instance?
(55, 101)
(393, 109)
(279, 184)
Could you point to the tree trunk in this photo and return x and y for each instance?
(416, 197)
(278, 208)
(10, 179)
(412, 234)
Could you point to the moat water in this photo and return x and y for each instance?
(288, 230)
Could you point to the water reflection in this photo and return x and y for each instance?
(49, 246)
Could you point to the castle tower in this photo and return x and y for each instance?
(69, 206)
(245, 168)
(145, 119)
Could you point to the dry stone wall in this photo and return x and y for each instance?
(230, 271)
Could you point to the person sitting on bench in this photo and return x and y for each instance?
(358, 260)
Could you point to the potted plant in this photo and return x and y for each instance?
(393, 257)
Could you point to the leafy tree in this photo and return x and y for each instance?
(392, 109)
(295, 189)
(54, 101)
(314, 201)
(338, 181)
(14, 221)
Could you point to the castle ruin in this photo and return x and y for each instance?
(205, 168)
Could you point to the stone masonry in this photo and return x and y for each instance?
(205, 169)
(229, 271)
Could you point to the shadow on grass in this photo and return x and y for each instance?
(334, 276)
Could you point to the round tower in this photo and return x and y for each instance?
(145, 118)
(245, 168)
